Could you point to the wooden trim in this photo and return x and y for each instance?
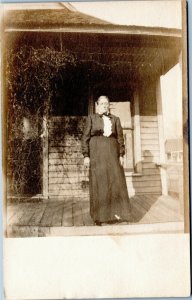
(163, 171)
(45, 157)
(128, 157)
(118, 29)
(137, 134)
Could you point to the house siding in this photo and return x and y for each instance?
(149, 181)
(67, 177)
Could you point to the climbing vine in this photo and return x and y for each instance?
(30, 78)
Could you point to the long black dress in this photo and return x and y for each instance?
(109, 199)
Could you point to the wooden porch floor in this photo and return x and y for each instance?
(32, 218)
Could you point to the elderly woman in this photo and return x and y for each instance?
(103, 149)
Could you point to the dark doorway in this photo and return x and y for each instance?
(71, 94)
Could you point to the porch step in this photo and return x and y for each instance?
(90, 230)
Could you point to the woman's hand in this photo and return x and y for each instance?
(121, 160)
(87, 162)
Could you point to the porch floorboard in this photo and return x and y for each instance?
(45, 218)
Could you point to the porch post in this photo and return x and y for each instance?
(91, 104)
(163, 171)
(45, 157)
(137, 134)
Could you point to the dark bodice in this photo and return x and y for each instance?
(95, 126)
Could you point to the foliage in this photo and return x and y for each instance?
(31, 73)
(30, 78)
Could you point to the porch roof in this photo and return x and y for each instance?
(129, 51)
(68, 19)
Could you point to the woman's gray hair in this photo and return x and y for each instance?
(103, 96)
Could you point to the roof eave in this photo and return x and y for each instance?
(122, 30)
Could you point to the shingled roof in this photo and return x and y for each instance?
(43, 18)
(139, 49)
(67, 17)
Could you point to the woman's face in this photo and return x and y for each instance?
(103, 105)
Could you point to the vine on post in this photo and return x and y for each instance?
(30, 77)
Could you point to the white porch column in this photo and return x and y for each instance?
(137, 134)
(163, 171)
(45, 157)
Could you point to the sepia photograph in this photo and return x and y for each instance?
(96, 121)
(95, 149)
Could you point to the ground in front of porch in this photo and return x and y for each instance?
(151, 214)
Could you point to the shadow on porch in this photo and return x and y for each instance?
(151, 214)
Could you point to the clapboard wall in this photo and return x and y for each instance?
(67, 177)
(150, 180)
